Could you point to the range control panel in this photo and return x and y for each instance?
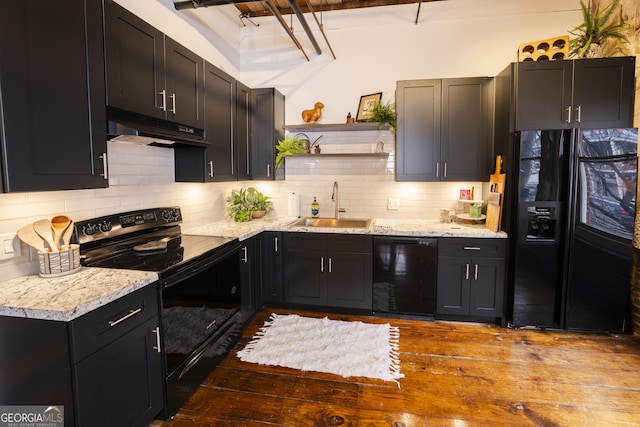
(115, 225)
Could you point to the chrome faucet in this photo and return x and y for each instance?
(336, 198)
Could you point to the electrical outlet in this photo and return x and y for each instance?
(9, 246)
(393, 204)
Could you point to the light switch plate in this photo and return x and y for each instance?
(10, 246)
(393, 204)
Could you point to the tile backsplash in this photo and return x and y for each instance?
(142, 176)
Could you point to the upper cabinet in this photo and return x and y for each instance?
(53, 126)
(149, 73)
(267, 127)
(591, 93)
(444, 129)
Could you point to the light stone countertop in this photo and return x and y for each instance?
(65, 298)
(379, 226)
(68, 297)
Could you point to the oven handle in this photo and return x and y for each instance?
(193, 269)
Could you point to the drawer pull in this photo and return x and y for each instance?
(125, 317)
(472, 248)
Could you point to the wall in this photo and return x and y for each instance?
(453, 38)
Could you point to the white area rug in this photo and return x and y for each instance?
(349, 349)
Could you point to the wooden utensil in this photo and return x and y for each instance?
(496, 185)
(59, 224)
(66, 236)
(28, 235)
(44, 230)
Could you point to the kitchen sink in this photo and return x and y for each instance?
(334, 223)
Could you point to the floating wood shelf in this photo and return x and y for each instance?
(341, 127)
(384, 155)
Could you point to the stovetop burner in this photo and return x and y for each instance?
(149, 240)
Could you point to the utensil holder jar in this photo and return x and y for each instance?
(55, 264)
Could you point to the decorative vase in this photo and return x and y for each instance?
(594, 51)
(259, 214)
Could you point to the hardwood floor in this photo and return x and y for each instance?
(456, 374)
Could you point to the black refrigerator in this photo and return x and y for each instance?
(576, 195)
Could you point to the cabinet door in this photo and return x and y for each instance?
(53, 125)
(243, 131)
(305, 277)
(486, 289)
(272, 267)
(466, 112)
(249, 263)
(267, 127)
(453, 286)
(350, 281)
(220, 111)
(184, 85)
(603, 92)
(134, 52)
(121, 384)
(543, 95)
(418, 134)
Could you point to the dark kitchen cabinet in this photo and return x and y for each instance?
(471, 278)
(267, 127)
(53, 125)
(589, 93)
(250, 278)
(333, 270)
(149, 73)
(105, 367)
(444, 129)
(227, 133)
(272, 267)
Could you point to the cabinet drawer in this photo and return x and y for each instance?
(98, 328)
(352, 243)
(476, 248)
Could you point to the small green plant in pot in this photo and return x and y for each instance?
(242, 204)
(287, 146)
(596, 29)
(384, 113)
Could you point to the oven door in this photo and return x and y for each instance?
(201, 320)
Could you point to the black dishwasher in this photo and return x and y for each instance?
(404, 275)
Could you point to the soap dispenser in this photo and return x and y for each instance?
(315, 209)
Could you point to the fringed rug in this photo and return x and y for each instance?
(348, 349)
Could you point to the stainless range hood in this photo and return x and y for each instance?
(139, 129)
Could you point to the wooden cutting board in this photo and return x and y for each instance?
(496, 197)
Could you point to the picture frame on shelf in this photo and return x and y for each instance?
(367, 104)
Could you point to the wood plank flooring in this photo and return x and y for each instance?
(456, 374)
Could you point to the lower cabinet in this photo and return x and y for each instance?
(104, 367)
(471, 277)
(271, 251)
(332, 270)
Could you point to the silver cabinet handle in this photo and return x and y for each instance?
(125, 317)
(245, 259)
(105, 170)
(157, 332)
(445, 170)
(330, 267)
(173, 103)
(437, 169)
(211, 168)
(467, 273)
(475, 272)
(471, 248)
(275, 244)
(268, 170)
(163, 95)
(321, 264)
(578, 113)
(569, 114)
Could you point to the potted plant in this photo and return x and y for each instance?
(384, 113)
(243, 205)
(595, 30)
(289, 145)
